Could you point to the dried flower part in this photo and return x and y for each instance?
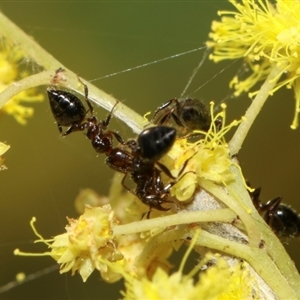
(208, 158)
(264, 35)
(10, 71)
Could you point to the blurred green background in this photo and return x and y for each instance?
(46, 172)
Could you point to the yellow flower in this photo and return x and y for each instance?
(208, 158)
(87, 245)
(86, 239)
(265, 35)
(10, 72)
(218, 282)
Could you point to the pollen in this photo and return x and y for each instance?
(264, 35)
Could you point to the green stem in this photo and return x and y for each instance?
(257, 258)
(30, 48)
(36, 53)
(273, 246)
(237, 206)
(239, 136)
(218, 215)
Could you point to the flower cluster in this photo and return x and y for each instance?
(232, 283)
(207, 158)
(86, 241)
(10, 72)
(265, 35)
(87, 245)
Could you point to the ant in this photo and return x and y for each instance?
(282, 219)
(140, 162)
(68, 110)
(188, 113)
(139, 159)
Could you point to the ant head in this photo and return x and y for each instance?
(193, 114)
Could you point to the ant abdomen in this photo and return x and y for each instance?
(155, 142)
(66, 108)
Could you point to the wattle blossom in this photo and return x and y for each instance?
(264, 35)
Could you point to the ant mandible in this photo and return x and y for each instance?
(282, 219)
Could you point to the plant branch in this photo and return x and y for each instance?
(265, 91)
(31, 50)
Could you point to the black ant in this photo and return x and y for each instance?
(140, 162)
(282, 219)
(68, 110)
(136, 157)
(188, 113)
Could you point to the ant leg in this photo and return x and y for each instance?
(129, 190)
(177, 121)
(179, 177)
(147, 214)
(163, 119)
(60, 130)
(118, 137)
(107, 120)
(125, 186)
(255, 198)
(165, 170)
(86, 96)
(184, 165)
